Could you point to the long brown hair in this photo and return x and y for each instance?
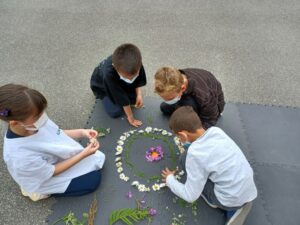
(18, 102)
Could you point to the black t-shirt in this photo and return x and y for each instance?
(105, 81)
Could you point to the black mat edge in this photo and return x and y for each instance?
(253, 164)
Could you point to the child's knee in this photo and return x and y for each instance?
(115, 114)
(166, 109)
(95, 181)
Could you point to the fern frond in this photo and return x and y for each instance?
(128, 216)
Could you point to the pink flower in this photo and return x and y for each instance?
(152, 212)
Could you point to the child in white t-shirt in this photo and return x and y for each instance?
(216, 168)
(43, 159)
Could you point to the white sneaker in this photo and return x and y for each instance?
(34, 196)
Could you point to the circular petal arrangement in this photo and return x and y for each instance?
(152, 154)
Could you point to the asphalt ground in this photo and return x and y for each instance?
(252, 47)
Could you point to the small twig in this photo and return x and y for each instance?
(92, 212)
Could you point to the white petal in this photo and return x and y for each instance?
(120, 170)
(155, 187)
(164, 132)
(120, 142)
(122, 138)
(118, 159)
(118, 153)
(118, 164)
(135, 183)
(119, 148)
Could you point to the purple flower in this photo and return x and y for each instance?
(4, 112)
(152, 212)
(154, 154)
(129, 194)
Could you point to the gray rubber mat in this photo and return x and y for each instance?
(269, 137)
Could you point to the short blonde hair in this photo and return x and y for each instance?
(168, 80)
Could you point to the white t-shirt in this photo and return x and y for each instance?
(30, 160)
(215, 156)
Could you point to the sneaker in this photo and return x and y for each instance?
(34, 196)
(239, 216)
(208, 202)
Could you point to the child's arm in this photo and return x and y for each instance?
(196, 179)
(130, 118)
(139, 99)
(80, 133)
(66, 164)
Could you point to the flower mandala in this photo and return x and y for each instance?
(152, 154)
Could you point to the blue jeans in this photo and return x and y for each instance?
(82, 185)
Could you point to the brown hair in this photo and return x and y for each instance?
(168, 79)
(185, 118)
(127, 58)
(18, 102)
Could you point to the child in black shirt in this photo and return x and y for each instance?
(117, 81)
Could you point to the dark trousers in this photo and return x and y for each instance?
(209, 194)
(82, 185)
(114, 110)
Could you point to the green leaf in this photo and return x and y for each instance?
(128, 216)
(102, 131)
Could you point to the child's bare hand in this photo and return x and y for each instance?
(91, 148)
(166, 172)
(89, 133)
(139, 102)
(134, 122)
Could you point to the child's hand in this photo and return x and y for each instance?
(134, 122)
(139, 101)
(89, 133)
(91, 148)
(166, 172)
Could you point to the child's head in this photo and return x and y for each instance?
(127, 60)
(19, 103)
(169, 84)
(185, 123)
